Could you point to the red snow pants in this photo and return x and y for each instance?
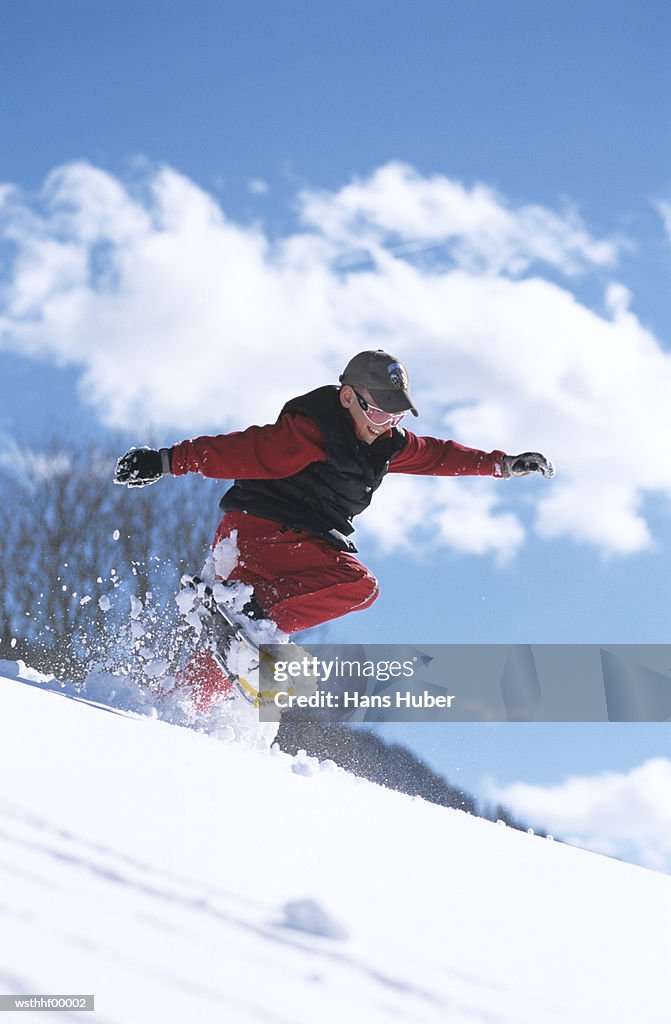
(299, 580)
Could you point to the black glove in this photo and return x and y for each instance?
(140, 466)
(528, 462)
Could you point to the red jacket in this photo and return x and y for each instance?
(281, 449)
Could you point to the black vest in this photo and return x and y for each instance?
(324, 497)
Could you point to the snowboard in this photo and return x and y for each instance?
(222, 631)
(233, 639)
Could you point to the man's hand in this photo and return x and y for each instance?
(141, 466)
(528, 462)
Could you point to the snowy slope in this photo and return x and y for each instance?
(179, 878)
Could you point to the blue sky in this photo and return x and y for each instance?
(530, 302)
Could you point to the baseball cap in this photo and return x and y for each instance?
(383, 377)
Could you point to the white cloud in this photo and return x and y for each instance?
(33, 467)
(180, 318)
(258, 187)
(482, 230)
(664, 210)
(465, 515)
(622, 814)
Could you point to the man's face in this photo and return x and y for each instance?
(363, 428)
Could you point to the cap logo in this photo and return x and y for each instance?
(398, 376)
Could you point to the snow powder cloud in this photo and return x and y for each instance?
(181, 318)
(621, 814)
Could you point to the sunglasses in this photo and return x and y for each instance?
(377, 416)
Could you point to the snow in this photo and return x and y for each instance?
(224, 557)
(179, 878)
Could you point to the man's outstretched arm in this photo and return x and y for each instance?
(431, 456)
(270, 452)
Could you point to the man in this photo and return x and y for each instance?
(300, 481)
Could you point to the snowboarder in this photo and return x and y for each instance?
(299, 482)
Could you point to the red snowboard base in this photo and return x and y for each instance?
(205, 680)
